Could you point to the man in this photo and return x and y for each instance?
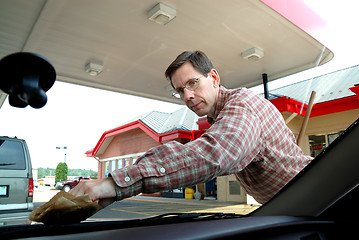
(248, 138)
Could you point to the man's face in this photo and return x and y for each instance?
(202, 100)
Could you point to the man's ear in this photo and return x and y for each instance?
(215, 76)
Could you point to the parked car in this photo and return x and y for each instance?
(16, 182)
(68, 185)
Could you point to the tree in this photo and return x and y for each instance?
(93, 175)
(43, 172)
(61, 172)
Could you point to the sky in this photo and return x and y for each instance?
(76, 116)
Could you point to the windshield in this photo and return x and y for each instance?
(208, 138)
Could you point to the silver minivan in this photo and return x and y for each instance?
(16, 182)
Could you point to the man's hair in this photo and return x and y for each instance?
(198, 59)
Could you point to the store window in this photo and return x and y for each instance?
(107, 168)
(113, 165)
(119, 163)
(333, 136)
(127, 162)
(234, 188)
(319, 142)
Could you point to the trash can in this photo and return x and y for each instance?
(189, 193)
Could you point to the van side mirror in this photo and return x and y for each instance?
(26, 77)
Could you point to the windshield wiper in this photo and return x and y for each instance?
(7, 164)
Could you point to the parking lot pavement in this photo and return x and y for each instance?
(192, 205)
(149, 206)
(43, 194)
(139, 207)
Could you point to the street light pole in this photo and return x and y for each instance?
(65, 148)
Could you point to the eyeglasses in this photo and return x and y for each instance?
(191, 85)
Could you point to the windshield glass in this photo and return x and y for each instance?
(210, 138)
(11, 155)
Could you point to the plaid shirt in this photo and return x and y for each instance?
(248, 138)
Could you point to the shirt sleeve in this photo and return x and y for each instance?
(219, 151)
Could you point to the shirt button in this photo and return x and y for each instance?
(162, 170)
(127, 179)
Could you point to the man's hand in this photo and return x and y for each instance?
(101, 190)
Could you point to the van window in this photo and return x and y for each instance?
(11, 155)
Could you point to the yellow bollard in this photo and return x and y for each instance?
(188, 193)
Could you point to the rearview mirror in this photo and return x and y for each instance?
(26, 77)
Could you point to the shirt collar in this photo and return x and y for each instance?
(223, 94)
